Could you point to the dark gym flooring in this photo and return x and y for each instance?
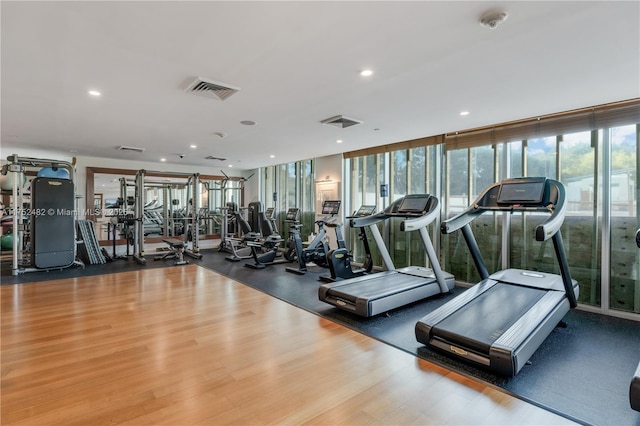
(582, 372)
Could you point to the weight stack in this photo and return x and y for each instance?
(52, 223)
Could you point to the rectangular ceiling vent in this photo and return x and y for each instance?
(211, 89)
(211, 157)
(130, 148)
(340, 121)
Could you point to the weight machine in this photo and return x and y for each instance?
(192, 219)
(52, 209)
(228, 240)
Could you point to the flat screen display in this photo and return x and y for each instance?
(331, 207)
(413, 205)
(365, 211)
(269, 212)
(529, 191)
(292, 214)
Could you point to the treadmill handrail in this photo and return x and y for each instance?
(552, 225)
(554, 203)
(360, 222)
(411, 224)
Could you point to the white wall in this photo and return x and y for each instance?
(329, 167)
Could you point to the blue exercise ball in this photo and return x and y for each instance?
(50, 172)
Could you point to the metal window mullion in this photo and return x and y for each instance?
(469, 193)
(469, 175)
(595, 251)
(436, 235)
(558, 158)
(409, 180)
(605, 291)
(506, 216)
(525, 165)
(636, 294)
(388, 170)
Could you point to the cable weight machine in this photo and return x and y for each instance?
(44, 233)
(192, 220)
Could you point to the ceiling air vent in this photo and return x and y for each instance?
(340, 121)
(211, 157)
(211, 89)
(130, 148)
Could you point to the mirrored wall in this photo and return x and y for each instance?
(167, 199)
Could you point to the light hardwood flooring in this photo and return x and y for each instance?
(184, 345)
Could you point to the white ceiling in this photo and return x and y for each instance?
(297, 63)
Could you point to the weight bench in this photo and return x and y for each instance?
(176, 251)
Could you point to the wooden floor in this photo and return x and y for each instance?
(184, 345)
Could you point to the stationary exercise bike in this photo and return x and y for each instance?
(266, 250)
(339, 259)
(318, 248)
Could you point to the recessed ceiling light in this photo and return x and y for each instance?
(94, 93)
(272, 156)
(464, 112)
(248, 122)
(230, 165)
(366, 73)
(163, 159)
(193, 146)
(339, 141)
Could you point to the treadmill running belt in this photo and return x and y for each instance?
(485, 318)
(376, 287)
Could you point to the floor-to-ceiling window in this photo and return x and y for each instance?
(290, 185)
(366, 174)
(384, 177)
(624, 276)
(400, 244)
(578, 171)
(469, 172)
(598, 167)
(593, 152)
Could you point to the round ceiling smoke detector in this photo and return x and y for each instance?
(493, 19)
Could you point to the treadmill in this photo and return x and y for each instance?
(501, 321)
(370, 295)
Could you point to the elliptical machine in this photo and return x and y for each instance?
(318, 248)
(339, 259)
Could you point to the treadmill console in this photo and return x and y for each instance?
(364, 211)
(414, 205)
(522, 191)
(331, 207)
